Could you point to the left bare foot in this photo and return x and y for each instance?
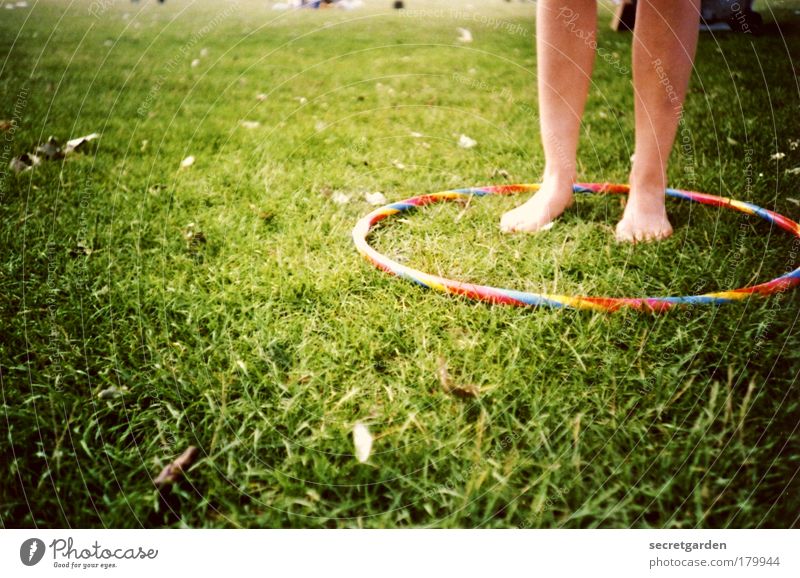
(645, 217)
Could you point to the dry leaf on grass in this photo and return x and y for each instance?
(112, 392)
(51, 150)
(174, 471)
(459, 390)
(24, 162)
(464, 35)
(340, 198)
(6, 125)
(375, 199)
(81, 249)
(362, 440)
(500, 173)
(76, 144)
(465, 142)
(193, 236)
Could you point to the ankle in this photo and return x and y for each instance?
(648, 182)
(560, 176)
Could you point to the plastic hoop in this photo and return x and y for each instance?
(518, 298)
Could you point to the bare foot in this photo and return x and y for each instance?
(554, 196)
(645, 218)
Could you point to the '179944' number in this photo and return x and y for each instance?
(760, 561)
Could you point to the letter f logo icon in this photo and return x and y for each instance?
(31, 552)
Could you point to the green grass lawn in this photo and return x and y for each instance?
(265, 339)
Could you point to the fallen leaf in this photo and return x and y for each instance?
(6, 125)
(362, 440)
(465, 35)
(375, 199)
(442, 373)
(463, 391)
(51, 150)
(77, 143)
(193, 236)
(465, 142)
(174, 471)
(113, 392)
(24, 162)
(80, 249)
(340, 198)
(266, 216)
(187, 162)
(500, 173)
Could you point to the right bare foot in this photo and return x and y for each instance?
(554, 196)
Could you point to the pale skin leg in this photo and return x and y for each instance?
(666, 30)
(565, 31)
(664, 45)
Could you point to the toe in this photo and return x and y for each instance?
(509, 225)
(622, 234)
(508, 222)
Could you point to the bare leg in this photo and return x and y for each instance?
(664, 43)
(565, 47)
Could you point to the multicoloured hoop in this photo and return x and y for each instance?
(510, 297)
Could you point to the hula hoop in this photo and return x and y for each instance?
(518, 298)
